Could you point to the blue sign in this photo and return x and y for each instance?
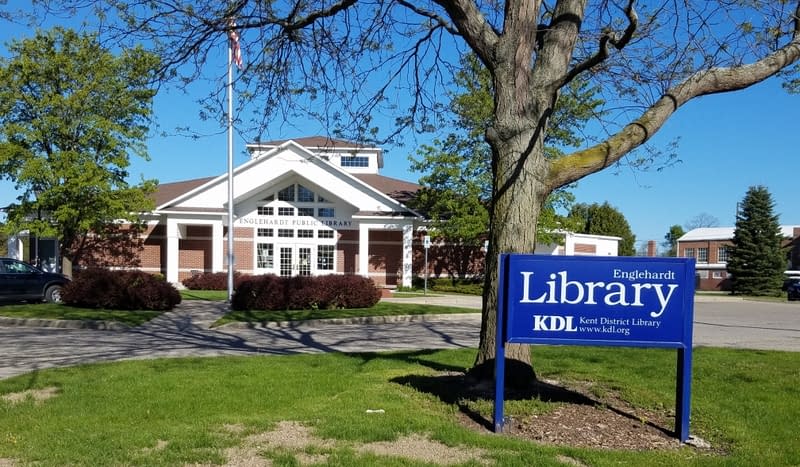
(591, 300)
(599, 300)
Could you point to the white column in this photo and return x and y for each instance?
(16, 249)
(408, 254)
(216, 247)
(363, 250)
(172, 251)
(569, 244)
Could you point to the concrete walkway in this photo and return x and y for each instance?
(186, 332)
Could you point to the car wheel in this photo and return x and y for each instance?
(53, 294)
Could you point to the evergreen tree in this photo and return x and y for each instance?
(757, 260)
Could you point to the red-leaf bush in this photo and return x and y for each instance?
(212, 281)
(265, 292)
(120, 290)
(270, 292)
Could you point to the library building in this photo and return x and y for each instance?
(308, 206)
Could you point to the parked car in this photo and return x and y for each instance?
(793, 289)
(21, 281)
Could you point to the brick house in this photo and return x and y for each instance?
(710, 246)
(308, 206)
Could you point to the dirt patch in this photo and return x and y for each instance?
(298, 440)
(6, 462)
(420, 448)
(37, 395)
(578, 418)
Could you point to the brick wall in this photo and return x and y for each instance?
(711, 267)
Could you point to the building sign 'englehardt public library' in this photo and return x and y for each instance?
(598, 301)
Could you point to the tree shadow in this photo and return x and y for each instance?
(453, 385)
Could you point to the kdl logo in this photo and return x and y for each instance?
(553, 323)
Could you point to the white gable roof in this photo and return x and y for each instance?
(725, 233)
(289, 161)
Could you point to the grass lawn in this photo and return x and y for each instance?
(226, 410)
(208, 295)
(56, 311)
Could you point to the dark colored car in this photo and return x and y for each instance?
(21, 281)
(793, 289)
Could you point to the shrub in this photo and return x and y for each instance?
(120, 290)
(213, 281)
(346, 291)
(469, 286)
(265, 292)
(270, 292)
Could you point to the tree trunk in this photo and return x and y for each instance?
(519, 192)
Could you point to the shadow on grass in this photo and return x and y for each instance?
(454, 386)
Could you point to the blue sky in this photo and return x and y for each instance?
(727, 143)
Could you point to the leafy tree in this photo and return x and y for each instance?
(346, 61)
(757, 260)
(456, 185)
(70, 114)
(604, 219)
(671, 240)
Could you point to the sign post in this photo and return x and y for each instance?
(597, 301)
(426, 243)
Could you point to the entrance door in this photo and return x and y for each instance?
(303, 261)
(294, 260)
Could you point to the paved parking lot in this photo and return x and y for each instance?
(185, 332)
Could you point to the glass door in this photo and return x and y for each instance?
(294, 260)
(286, 266)
(303, 261)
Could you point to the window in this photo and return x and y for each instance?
(305, 233)
(355, 161)
(264, 255)
(16, 267)
(723, 253)
(325, 212)
(320, 199)
(325, 234)
(286, 233)
(325, 257)
(688, 253)
(716, 274)
(287, 194)
(270, 197)
(265, 232)
(284, 211)
(304, 195)
(702, 274)
(286, 262)
(266, 211)
(305, 211)
(702, 255)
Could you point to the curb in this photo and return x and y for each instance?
(64, 324)
(354, 320)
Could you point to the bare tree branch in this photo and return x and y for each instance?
(608, 37)
(713, 81)
(474, 28)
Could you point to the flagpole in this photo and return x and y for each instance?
(231, 261)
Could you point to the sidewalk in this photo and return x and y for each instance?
(432, 298)
(474, 301)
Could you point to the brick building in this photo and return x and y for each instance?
(307, 206)
(710, 246)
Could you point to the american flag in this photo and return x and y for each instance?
(236, 51)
